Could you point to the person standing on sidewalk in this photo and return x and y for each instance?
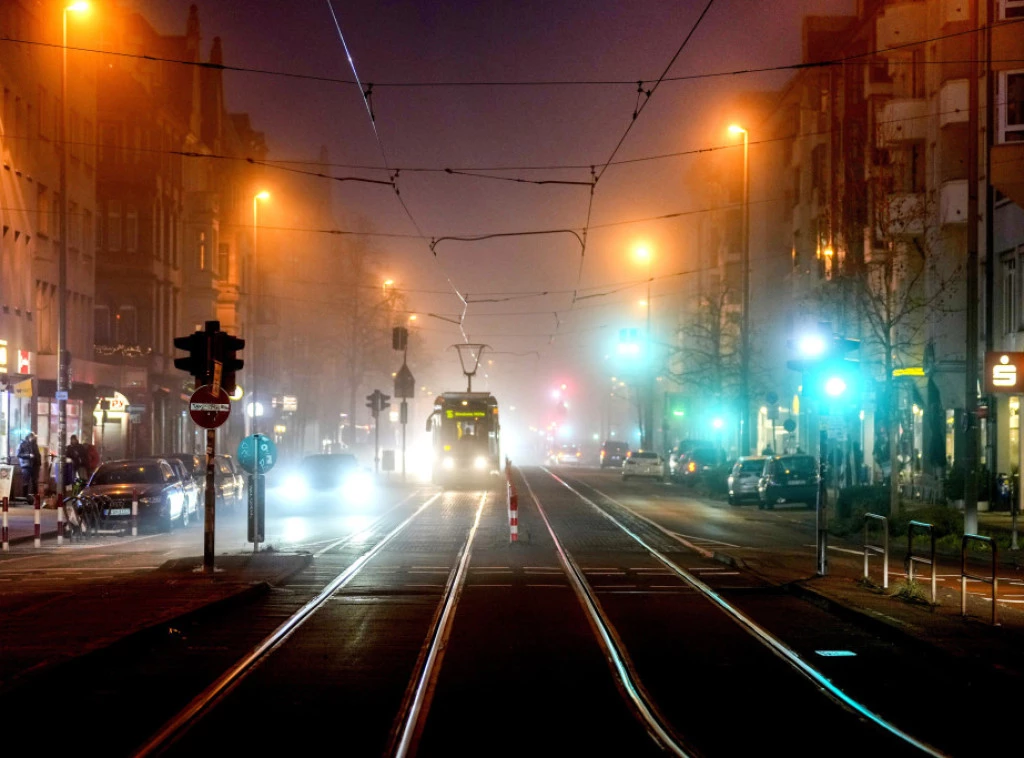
(30, 461)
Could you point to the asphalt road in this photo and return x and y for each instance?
(608, 629)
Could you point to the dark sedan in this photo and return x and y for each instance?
(336, 475)
(154, 482)
(788, 479)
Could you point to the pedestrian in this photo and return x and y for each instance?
(30, 461)
(92, 459)
(77, 455)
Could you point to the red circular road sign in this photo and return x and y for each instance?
(207, 409)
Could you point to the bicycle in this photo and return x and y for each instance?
(83, 514)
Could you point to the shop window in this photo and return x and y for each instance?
(1011, 106)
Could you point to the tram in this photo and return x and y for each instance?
(465, 439)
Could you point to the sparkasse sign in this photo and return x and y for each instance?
(1004, 373)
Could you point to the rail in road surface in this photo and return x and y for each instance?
(427, 633)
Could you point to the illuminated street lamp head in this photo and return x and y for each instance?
(262, 195)
(78, 7)
(643, 252)
(736, 129)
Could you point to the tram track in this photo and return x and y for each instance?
(629, 679)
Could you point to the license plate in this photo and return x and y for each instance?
(798, 481)
(117, 512)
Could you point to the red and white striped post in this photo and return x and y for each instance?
(37, 530)
(513, 514)
(135, 513)
(60, 520)
(6, 529)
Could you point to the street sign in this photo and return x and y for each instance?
(405, 384)
(209, 409)
(60, 395)
(136, 408)
(1003, 373)
(257, 454)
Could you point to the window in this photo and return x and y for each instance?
(131, 229)
(101, 324)
(126, 326)
(87, 231)
(110, 138)
(74, 225)
(910, 166)
(223, 258)
(1011, 9)
(1011, 317)
(45, 113)
(1011, 106)
(43, 205)
(201, 252)
(88, 148)
(74, 137)
(114, 225)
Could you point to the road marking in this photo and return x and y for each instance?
(702, 540)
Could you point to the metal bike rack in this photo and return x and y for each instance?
(964, 576)
(882, 549)
(912, 559)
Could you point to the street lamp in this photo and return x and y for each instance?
(643, 253)
(745, 321)
(63, 355)
(261, 195)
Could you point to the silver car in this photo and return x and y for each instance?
(643, 463)
(743, 479)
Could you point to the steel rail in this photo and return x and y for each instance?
(601, 623)
(438, 640)
(784, 652)
(201, 703)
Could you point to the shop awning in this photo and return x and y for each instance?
(79, 391)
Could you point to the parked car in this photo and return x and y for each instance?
(330, 475)
(643, 463)
(229, 479)
(564, 455)
(155, 483)
(613, 453)
(699, 460)
(191, 488)
(788, 479)
(743, 479)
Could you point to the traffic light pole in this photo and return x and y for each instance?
(210, 521)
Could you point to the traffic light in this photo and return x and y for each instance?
(225, 351)
(399, 338)
(830, 380)
(373, 403)
(384, 401)
(675, 406)
(629, 342)
(199, 362)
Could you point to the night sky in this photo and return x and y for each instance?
(552, 132)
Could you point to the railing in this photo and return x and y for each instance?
(964, 576)
(912, 559)
(882, 549)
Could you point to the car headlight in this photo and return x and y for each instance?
(295, 485)
(448, 463)
(150, 500)
(358, 487)
(479, 463)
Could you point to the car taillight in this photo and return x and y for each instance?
(691, 467)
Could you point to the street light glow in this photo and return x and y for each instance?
(262, 195)
(811, 345)
(78, 7)
(736, 129)
(835, 386)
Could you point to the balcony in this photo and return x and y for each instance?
(902, 24)
(953, 202)
(902, 120)
(953, 102)
(1008, 170)
(904, 214)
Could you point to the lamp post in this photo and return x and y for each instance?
(744, 440)
(63, 354)
(643, 253)
(262, 195)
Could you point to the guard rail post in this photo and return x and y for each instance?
(37, 524)
(882, 549)
(6, 536)
(513, 514)
(912, 559)
(135, 513)
(60, 519)
(964, 576)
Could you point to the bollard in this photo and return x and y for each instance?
(513, 514)
(60, 520)
(135, 513)
(37, 530)
(6, 529)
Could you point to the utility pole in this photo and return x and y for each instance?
(971, 348)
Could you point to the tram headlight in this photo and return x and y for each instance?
(479, 463)
(358, 487)
(448, 463)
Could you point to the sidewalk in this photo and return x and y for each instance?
(21, 523)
